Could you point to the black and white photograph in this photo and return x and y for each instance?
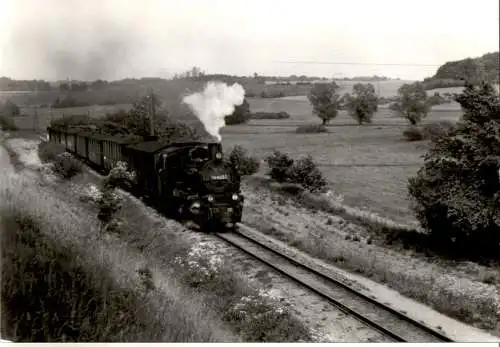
(271, 171)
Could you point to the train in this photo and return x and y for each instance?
(183, 178)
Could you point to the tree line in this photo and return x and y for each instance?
(412, 102)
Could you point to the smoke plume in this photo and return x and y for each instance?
(215, 102)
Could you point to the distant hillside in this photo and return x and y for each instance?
(474, 70)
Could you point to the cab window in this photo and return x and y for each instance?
(198, 154)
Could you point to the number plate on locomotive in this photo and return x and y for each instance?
(219, 177)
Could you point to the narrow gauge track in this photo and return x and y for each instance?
(376, 315)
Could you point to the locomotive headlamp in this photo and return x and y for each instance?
(218, 155)
(195, 207)
(235, 197)
(210, 198)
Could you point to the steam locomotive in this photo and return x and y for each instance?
(186, 179)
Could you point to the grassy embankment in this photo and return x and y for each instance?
(119, 288)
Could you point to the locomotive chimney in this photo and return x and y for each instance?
(215, 148)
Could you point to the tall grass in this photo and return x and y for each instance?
(74, 287)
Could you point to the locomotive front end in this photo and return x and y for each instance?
(220, 200)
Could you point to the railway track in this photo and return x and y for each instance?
(387, 321)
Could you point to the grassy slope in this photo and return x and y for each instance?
(182, 296)
(75, 287)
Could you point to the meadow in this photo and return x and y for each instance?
(368, 165)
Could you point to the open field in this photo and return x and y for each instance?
(368, 165)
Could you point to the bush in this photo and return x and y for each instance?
(270, 115)
(456, 193)
(382, 101)
(6, 124)
(66, 165)
(9, 109)
(48, 151)
(272, 94)
(65, 122)
(304, 171)
(245, 163)
(291, 188)
(413, 133)
(432, 131)
(118, 176)
(118, 116)
(394, 106)
(437, 99)
(435, 83)
(311, 129)
(109, 204)
(279, 165)
(67, 102)
(240, 115)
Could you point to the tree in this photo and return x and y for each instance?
(363, 102)
(9, 109)
(413, 105)
(196, 72)
(325, 100)
(64, 87)
(139, 119)
(240, 115)
(457, 191)
(245, 163)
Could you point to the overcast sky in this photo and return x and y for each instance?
(113, 39)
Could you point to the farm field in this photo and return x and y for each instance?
(368, 165)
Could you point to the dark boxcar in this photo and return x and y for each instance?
(81, 144)
(95, 152)
(112, 151)
(71, 141)
(55, 136)
(141, 159)
(59, 137)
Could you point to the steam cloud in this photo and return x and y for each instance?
(215, 102)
